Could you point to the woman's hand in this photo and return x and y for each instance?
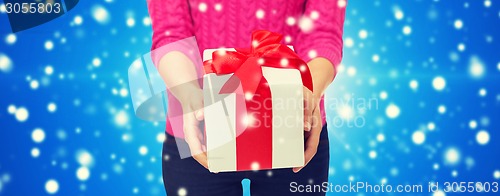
(323, 73)
(183, 84)
(192, 107)
(312, 127)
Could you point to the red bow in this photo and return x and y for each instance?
(246, 63)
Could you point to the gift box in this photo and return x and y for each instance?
(253, 106)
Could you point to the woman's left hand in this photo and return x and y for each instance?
(322, 73)
(312, 127)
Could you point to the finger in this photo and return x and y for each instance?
(201, 138)
(316, 121)
(198, 151)
(199, 114)
(307, 109)
(200, 155)
(311, 146)
(194, 143)
(308, 155)
(202, 159)
(194, 138)
(311, 149)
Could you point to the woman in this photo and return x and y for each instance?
(313, 27)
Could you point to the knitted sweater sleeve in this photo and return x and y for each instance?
(171, 21)
(324, 39)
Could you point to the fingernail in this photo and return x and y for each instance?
(198, 114)
(308, 126)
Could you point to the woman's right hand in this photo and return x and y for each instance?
(192, 106)
(183, 84)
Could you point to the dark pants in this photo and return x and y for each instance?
(188, 176)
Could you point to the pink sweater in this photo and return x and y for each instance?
(313, 27)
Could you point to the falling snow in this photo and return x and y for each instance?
(439, 83)
(482, 137)
(418, 137)
(52, 186)
(38, 135)
(100, 14)
(5, 63)
(392, 111)
(426, 73)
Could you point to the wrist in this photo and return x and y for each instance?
(187, 92)
(322, 73)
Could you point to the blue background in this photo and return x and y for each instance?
(376, 144)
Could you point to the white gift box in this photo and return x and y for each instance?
(221, 111)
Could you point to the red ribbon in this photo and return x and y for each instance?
(244, 62)
(254, 145)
